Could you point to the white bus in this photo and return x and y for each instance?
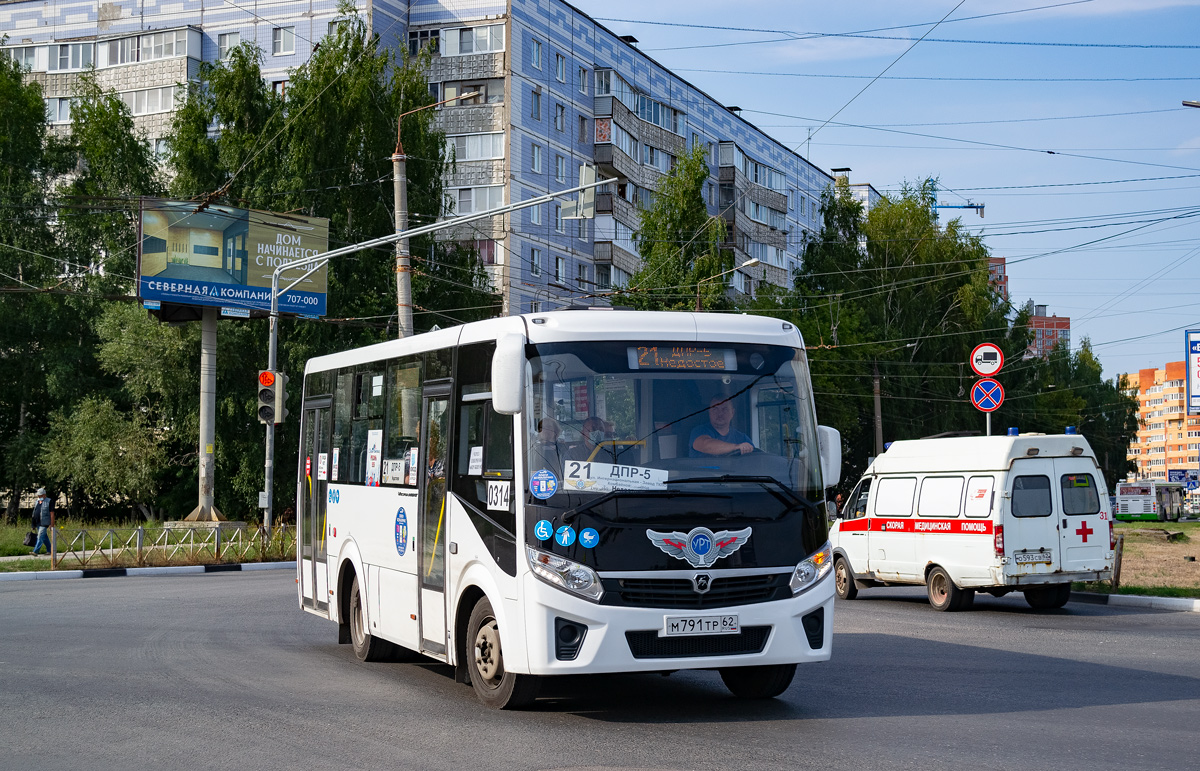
(1150, 499)
(547, 494)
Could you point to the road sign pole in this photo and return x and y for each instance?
(989, 423)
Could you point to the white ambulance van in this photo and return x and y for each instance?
(993, 514)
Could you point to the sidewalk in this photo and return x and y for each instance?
(1178, 604)
(53, 575)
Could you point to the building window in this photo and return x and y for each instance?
(581, 229)
(420, 40)
(470, 200)
(476, 40)
(486, 249)
(535, 262)
(535, 215)
(560, 68)
(476, 147)
(603, 276)
(123, 51)
(560, 168)
(150, 101)
(583, 132)
(58, 110)
(558, 219)
(560, 117)
(226, 42)
(582, 80)
(280, 88)
(25, 57)
(535, 111)
(489, 91)
(581, 276)
(283, 41)
(73, 56)
(535, 306)
(535, 159)
(161, 148)
(560, 269)
(535, 53)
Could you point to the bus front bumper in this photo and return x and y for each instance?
(623, 639)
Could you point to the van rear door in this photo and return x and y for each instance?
(1083, 518)
(1031, 532)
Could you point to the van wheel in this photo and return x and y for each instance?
(1048, 597)
(367, 647)
(494, 685)
(764, 682)
(843, 581)
(943, 594)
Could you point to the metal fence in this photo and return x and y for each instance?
(142, 547)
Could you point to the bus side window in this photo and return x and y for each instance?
(403, 418)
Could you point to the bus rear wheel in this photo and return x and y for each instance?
(944, 595)
(367, 647)
(765, 682)
(843, 581)
(495, 686)
(1048, 597)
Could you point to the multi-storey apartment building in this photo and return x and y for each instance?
(555, 90)
(998, 275)
(1048, 330)
(1168, 439)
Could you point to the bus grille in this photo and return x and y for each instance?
(648, 645)
(679, 592)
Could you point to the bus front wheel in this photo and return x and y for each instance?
(495, 686)
(367, 647)
(764, 682)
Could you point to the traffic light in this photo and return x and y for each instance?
(281, 381)
(267, 381)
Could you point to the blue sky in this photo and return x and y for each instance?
(980, 116)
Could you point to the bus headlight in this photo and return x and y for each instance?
(812, 570)
(565, 574)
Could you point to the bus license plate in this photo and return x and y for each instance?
(1032, 557)
(682, 626)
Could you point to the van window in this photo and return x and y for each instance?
(1031, 497)
(979, 496)
(940, 497)
(894, 497)
(1079, 494)
(857, 507)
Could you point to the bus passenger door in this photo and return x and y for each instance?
(432, 519)
(310, 514)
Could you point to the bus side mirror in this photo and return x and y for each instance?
(830, 442)
(508, 375)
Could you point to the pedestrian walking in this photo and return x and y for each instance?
(41, 520)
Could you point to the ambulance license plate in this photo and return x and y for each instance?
(683, 626)
(1031, 557)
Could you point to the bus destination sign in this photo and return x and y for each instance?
(681, 357)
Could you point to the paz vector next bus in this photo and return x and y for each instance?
(570, 493)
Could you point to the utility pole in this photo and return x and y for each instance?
(878, 415)
(404, 315)
(205, 511)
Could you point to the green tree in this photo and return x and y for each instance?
(680, 244)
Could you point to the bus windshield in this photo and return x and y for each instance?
(626, 419)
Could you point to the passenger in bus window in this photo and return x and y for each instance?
(597, 433)
(719, 437)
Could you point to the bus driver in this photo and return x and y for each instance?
(719, 437)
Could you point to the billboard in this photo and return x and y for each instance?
(224, 256)
(1192, 357)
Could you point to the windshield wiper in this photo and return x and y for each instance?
(765, 481)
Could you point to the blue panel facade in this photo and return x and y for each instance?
(572, 48)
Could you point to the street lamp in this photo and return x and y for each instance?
(750, 263)
(404, 319)
(1187, 103)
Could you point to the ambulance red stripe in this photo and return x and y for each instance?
(932, 526)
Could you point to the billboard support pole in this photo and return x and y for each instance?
(205, 511)
(318, 260)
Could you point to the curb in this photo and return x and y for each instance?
(1177, 604)
(54, 575)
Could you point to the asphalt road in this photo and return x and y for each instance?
(223, 671)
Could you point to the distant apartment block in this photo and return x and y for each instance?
(555, 90)
(998, 277)
(1048, 332)
(1167, 438)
